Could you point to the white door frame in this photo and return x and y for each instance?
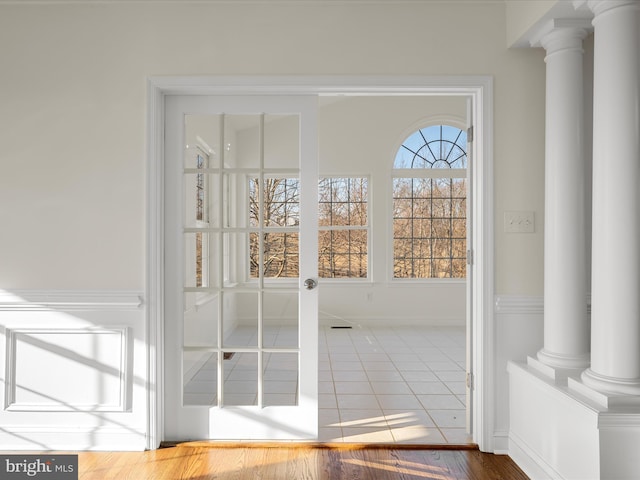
(478, 88)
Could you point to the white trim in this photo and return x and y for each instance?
(519, 304)
(63, 437)
(501, 443)
(154, 331)
(479, 88)
(39, 300)
(529, 461)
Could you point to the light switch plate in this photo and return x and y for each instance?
(519, 222)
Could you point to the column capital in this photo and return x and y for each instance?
(561, 34)
(598, 7)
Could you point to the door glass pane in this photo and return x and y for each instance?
(280, 379)
(280, 255)
(202, 137)
(200, 378)
(242, 141)
(282, 141)
(280, 199)
(201, 319)
(202, 200)
(234, 258)
(280, 319)
(200, 252)
(240, 378)
(240, 319)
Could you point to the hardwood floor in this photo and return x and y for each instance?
(201, 461)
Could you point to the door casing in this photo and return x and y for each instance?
(479, 90)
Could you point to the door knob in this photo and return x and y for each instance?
(310, 284)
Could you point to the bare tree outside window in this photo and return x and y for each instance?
(343, 228)
(278, 219)
(429, 211)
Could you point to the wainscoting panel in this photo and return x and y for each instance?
(72, 370)
(519, 322)
(67, 370)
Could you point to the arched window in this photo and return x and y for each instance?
(429, 204)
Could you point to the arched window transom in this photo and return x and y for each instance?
(440, 146)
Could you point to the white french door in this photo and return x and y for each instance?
(241, 322)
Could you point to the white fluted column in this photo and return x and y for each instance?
(615, 297)
(566, 327)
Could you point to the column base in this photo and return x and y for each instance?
(557, 433)
(558, 360)
(559, 376)
(613, 387)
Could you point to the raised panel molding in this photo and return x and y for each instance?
(39, 300)
(67, 370)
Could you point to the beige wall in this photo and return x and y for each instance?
(522, 15)
(72, 121)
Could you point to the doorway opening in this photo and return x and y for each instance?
(393, 306)
(478, 90)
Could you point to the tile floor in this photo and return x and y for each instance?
(376, 384)
(393, 384)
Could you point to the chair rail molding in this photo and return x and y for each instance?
(40, 300)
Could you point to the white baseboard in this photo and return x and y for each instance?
(531, 463)
(41, 438)
(501, 443)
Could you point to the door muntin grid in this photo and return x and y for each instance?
(241, 332)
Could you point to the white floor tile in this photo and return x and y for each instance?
(357, 402)
(458, 388)
(449, 418)
(368, 435)
(408, 418)
(330, 434)
(361, 388)
(344, 357)
(342, 366)
(452, 376)
(384, 376)
(328, 417)
(390, 388)
(395, 402)
(379, 366)
(404, 357)
(374, 357)
(350, 376)
(326, 387)
(420, 376)
(280, 399)
(327, 400)
(362, 418)
(410, 366)
(440, 402)
(444, 366)
(429, 388)
(456, 435)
